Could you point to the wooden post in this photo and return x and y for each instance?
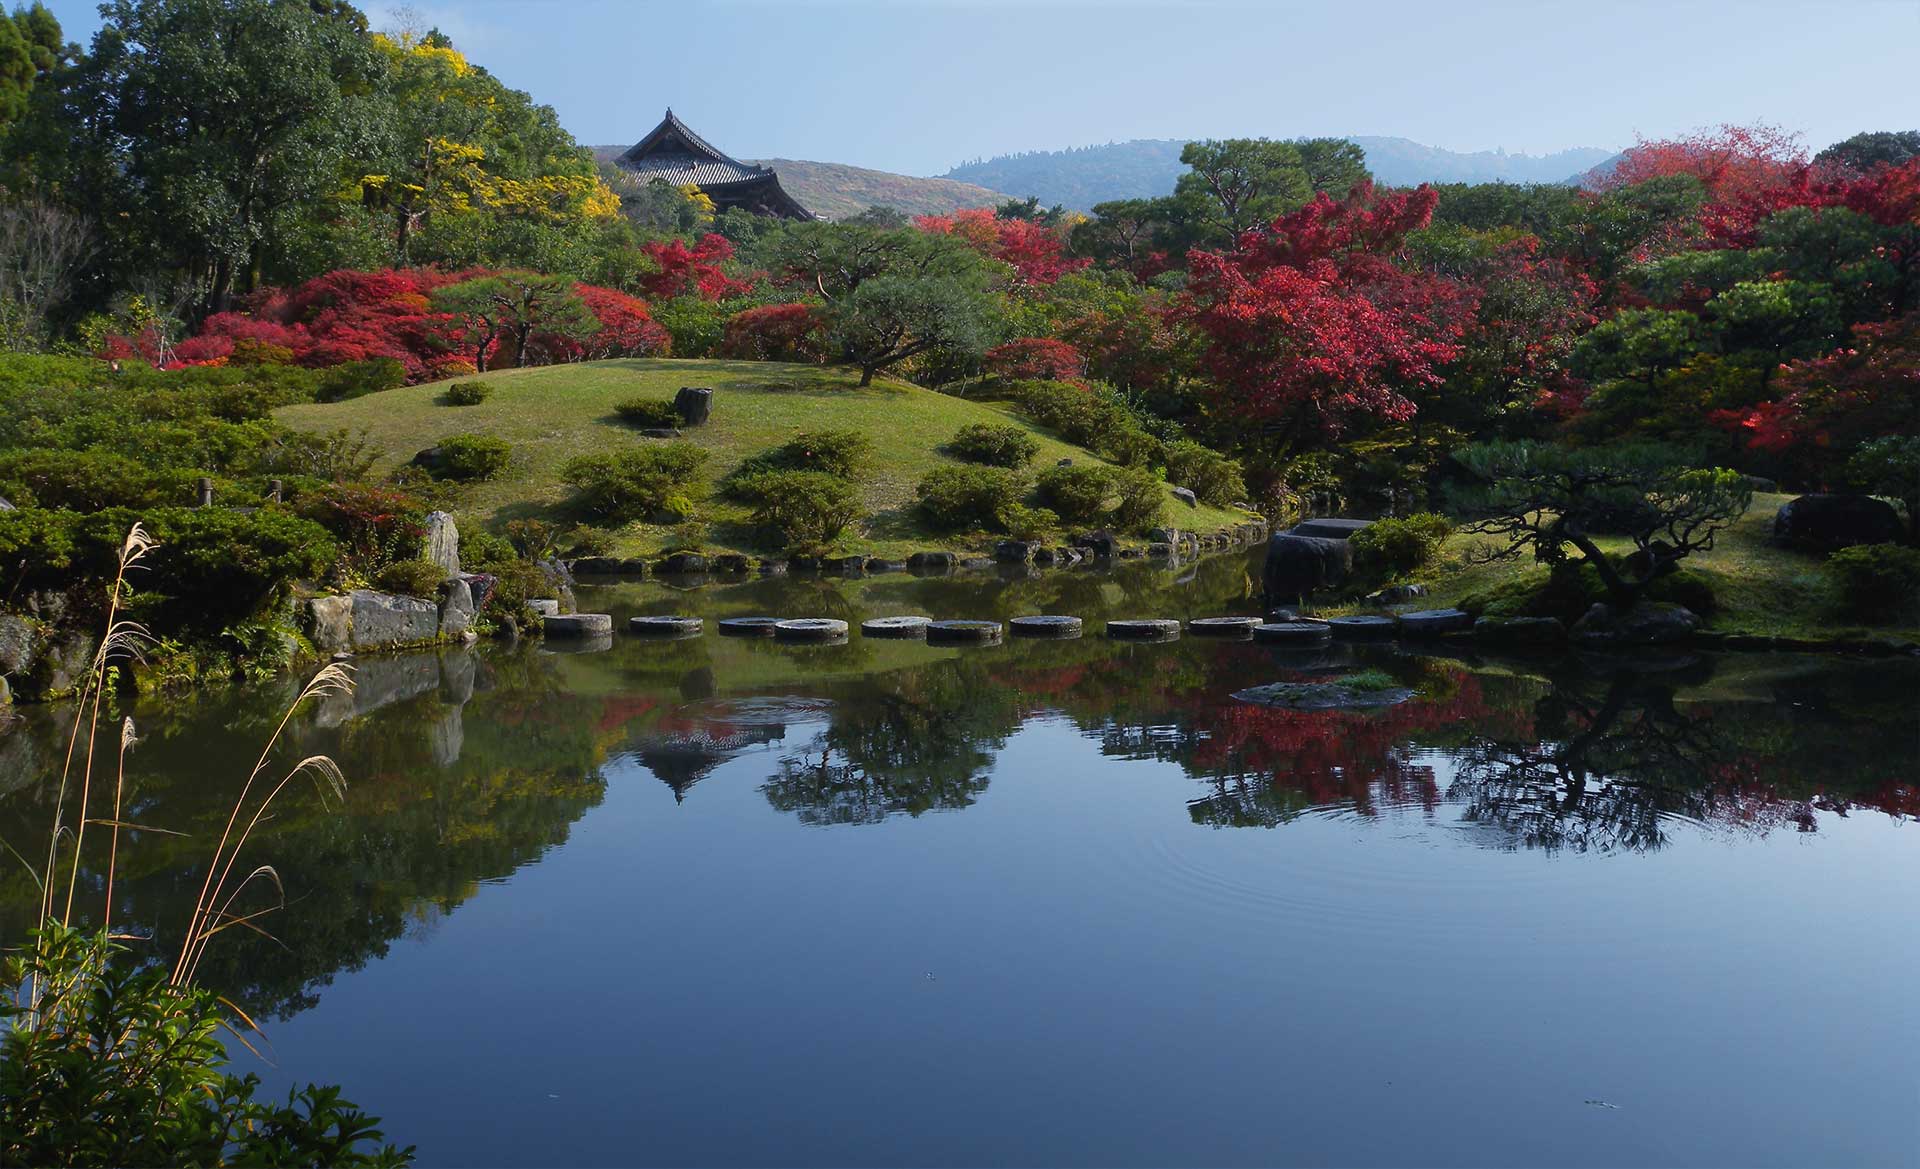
(205, 486)
(275, 489)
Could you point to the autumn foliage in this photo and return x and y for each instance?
(691, 270)
(1036, 359)
(1035, 252)
(776, 332)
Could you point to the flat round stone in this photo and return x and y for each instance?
(963, 632)
(1144, 629)
(747, 626)
(1293, 633)
(578, 625)
(895, 627)
(810, 629)
(1046, 626)
(1361, 628)
(1432, 622)
(666, 626)
(1222, 626)
(590, 644)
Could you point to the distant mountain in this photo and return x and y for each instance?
(837, 191)
(1146, 167)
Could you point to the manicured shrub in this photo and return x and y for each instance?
(468, 393)
(1395, 547)
(1028, 523)
(374, 525)
(1070, 411)
(35, 547)
(802, 509)
(1876, 582)
(648, 413)
(639, 483)
(216, 566)
(1210, 475)
(832, 452)
(356, 379)
(1130, 447)
(993, 444)
(467, 458)
(412, 578)
(1102, 496)
(969, 498)
(91, 480)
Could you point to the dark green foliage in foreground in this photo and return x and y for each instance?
(640, 483)
(1877, 582)
(959, 499)
(112, 1066)
(1212, 476)
(1123, 499)
(468, 393)
(1395, 547)
(468, 457)
(844, 453)
(413, 578)
(801, 509)
(995, 446)
(356, 379)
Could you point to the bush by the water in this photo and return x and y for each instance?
(1210, 475)
(994, 445)
(958, 499)
(1395, 547)
(1115, 497)
(661, 479)
(1877, 582)
(802, 510)
(468, 393)
(831, 452)
(469, 457)
(412, 578)
(648, 413)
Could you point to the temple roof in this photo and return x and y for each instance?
(675, 153)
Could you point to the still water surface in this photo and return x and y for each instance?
(730, 902)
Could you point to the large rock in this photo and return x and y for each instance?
(1648, 623)
(443, 542)
(694, 404)
(1825, 523)
(480, 586)
(381, 620)
(330, 623)
(1185, 495)
(457, 609)
(1330, 529)
(63, 664)
(1103, 544)
(21, 640)
(1298, 565)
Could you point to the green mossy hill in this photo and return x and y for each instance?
(552, 413)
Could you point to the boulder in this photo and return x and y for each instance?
(845, 565)
(1045, 556)
(1160, 551)
(732, 563)
(693, 404)
(457, 609)
(1103, 544)
(545, 606)
(1012, 551)
(443, 542)
(63, 664)
(20, 643)
(1827, 523)
(1330, 529)
(480, 586)
(1647, 623)
(976, 562)
(682, 563)
(932, 561)
(381, 620)
(1298, 565)
(330, 623)
(1185, 495)
(597, 566)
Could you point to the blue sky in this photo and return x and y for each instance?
(919, 85)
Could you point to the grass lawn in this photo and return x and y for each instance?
(552, 413)
(1761, 588)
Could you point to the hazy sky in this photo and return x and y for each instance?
(920, 85)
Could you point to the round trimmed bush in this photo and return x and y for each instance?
(412, 578)
(639, 483)
(1877, 582)
(648, 413)
(969, 498)
(994, 445)
(1395, 547)
(802, 509)
(468, 393)
(1210, 475)
(1108, 496)
(467, 458)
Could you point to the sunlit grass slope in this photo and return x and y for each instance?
(552, 413)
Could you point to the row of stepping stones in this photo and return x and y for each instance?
(1294, 631)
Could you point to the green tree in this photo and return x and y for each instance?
(1247, 180)
(890, 318)
(512, 310)
(1890, 466)
(1334, 166)
(1864, 151)
(214, 122)
(1556, 502)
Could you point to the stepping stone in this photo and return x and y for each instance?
(1361, 628)
(747, 626)
(1222, 626)
(896, 627)
(666, 626)
(810, 629)
(1046, 626)
(1434, 622)
(964, 632)
(579, 625)
(1300, 633)
(1145, 629)
(591, 644)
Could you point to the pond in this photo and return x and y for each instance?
(726, 901)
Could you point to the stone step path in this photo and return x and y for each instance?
(1433, 622)
(1223, 626)
(964, 633)
(747, 626)
(810, 629)
(897, 628)
(1361, 628)
(1294, 633)
(666, 626)
(579, 625)
(1054, 626)
(1144, 629)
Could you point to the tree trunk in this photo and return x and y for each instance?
(866, 375)
(1622, 593)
